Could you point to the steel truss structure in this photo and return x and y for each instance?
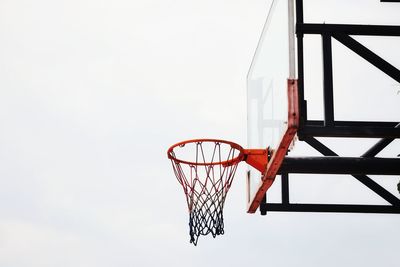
(330, 162)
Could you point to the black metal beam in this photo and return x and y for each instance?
(262, 204)
(328, 80)
(299, 11)
(368, 30)
(341, 165)
(300, 64)
(342, 208)
(368, 55)
(378, 124)
(348, 131)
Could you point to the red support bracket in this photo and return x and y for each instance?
(257, 158)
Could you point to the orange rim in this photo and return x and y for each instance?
(235, 160)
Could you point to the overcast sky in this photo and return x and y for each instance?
(92, 94)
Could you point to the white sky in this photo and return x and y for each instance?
(92, 93)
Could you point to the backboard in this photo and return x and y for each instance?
(272, 107)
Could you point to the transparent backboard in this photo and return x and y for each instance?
(267, 97)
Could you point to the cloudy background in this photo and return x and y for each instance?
(92, 93)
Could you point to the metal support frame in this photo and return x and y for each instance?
(341, 32)
(332, 163)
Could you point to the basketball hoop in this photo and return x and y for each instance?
(205, 168)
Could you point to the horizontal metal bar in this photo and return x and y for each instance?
(348, 131)
(351, 29)
(379, 124)
(339, 208)
(341, 165)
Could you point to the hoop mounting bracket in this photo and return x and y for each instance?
(257, 158)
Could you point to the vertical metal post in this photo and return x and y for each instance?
(285, 188)
(292, 49)
(300, 63)
(263, 205)
(328, 80)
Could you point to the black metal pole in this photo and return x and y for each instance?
(300, 63)
(328, 80)
(341, 165)
(350, 29)
(263, 204)
(357, 130)
(332, 208)
(285, 188)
